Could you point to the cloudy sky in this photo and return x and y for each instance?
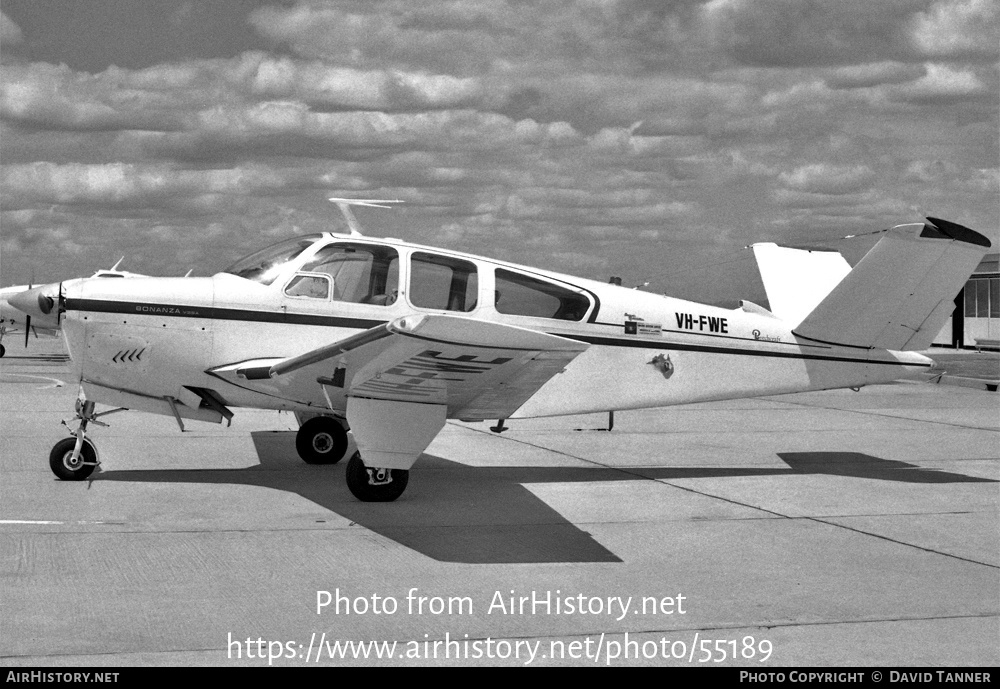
(647, 139)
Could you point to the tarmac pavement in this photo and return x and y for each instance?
(838, 528)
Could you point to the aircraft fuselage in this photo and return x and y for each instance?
(135, 343)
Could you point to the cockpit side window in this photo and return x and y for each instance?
(360, 273)
(265, 265)
(441, 282)
(309, 286)
(521, 295)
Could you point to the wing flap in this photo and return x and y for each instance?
(477, 369)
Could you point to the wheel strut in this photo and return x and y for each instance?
(85, 413)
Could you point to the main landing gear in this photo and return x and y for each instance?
(321, 440)
(373, 484)
(75, 458)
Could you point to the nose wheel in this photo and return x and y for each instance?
(370, 484)
(75, 458)
(321, 440)
(71, 465)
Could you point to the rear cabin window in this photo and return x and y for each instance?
(359, 273)
(441, 282)
(520, 295)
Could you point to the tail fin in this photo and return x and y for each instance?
(901, 293)
(797, 280)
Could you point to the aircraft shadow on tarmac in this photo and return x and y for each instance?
(456, 513)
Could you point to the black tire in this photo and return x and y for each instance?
(359, 481)
(321, 440)
(3, 350)
(60, 456)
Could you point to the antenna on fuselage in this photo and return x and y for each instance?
(345, 207)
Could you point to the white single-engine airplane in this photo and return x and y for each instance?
(389, 339)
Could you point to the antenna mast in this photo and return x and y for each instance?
(345, 207)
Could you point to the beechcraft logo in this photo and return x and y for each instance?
(663, 364)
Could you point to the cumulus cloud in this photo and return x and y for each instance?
(790, 33)
(10, 33)
(959, 29)
(52, 97)
(873, 74)
(318, 83)
(942, 84)
(794, 33)
(483, 35)
(822, 178)
(124, 185)
(629, 130)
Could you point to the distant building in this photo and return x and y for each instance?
(977, 308)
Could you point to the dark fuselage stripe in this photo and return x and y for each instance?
(676, 346)
(219, 313)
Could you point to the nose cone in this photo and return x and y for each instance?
(39, 303)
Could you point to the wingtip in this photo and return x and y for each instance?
(936, 227)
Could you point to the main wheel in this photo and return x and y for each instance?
(321, 440)
(375, 485)
(62, 464)
(3, 350)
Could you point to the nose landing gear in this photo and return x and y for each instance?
(75, 458)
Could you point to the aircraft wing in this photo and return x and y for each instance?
(477, 369)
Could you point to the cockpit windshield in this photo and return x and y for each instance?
(265, 265)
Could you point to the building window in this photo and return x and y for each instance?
(982, 298)
(520, 295)
(970, 298)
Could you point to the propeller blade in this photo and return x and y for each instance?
(27, 319)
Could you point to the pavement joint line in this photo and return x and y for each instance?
(634, 472)
(754, 507)
(583, 634)
(903, 543)
(696, 431)
(869, 412)
(329, 526)
(422, 527)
